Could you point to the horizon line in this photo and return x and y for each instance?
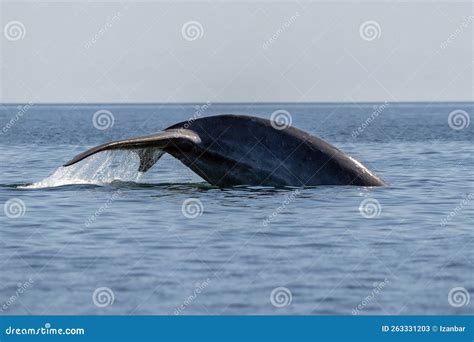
(230, 103)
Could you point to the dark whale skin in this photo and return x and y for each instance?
(230, 150)
(246, 150)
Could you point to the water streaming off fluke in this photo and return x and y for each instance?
(100, 169)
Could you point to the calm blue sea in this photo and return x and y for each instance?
(97, 238)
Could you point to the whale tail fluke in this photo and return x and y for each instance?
(149, 148)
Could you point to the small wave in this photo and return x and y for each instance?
(101, 169)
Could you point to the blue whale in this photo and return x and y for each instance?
(230, 150)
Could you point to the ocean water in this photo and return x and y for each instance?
(99, 238)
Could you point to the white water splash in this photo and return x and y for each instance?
(100, 169)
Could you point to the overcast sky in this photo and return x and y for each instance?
(53, 51)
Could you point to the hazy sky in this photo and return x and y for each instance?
(54, 51)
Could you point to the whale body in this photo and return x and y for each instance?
(231, 150)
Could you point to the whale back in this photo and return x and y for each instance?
(239, 149)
